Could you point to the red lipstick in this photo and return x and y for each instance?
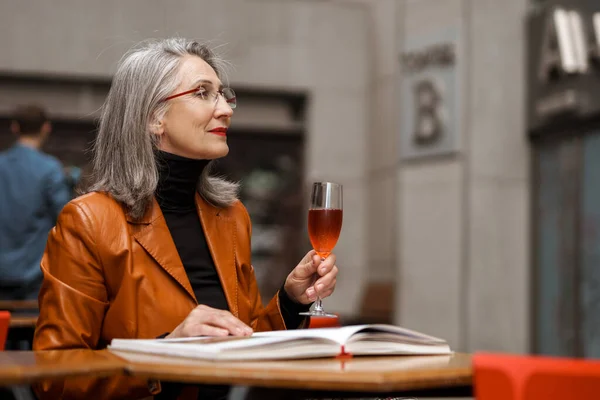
(219, 131)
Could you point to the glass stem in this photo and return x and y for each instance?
(318, 305)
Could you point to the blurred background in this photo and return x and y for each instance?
(466, 134)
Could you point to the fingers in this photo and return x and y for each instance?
(207, 330)
(308, 265)
(328, 291)
(207, 321)
(311, 294)
(226, 320)
(312, 264)
(312, 277)
(325, 266)
(326, 284)
(325, 290)
(316, 259)
(309, 255)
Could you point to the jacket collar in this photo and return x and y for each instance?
(151, 214)
(219, 230)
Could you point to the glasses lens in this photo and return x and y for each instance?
(229, 96)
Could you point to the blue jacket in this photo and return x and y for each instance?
(33, 191)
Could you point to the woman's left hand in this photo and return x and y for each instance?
(300, 284)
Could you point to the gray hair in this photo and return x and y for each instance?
(124, 163)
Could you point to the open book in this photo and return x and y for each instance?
(293, 344)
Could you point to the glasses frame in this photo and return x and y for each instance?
(219, 92)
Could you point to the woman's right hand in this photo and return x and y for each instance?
(207, 321)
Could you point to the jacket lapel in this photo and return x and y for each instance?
(219, 230)
(152, 233)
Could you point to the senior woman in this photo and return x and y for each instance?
(159, 247)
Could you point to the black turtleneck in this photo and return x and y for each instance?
(176, 191)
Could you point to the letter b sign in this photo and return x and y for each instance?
(429, 124)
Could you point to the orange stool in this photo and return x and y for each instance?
(514, 377)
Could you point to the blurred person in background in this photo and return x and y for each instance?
(159, 247)
(33, 191)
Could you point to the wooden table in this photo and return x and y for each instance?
(437, 375)
(19, 367)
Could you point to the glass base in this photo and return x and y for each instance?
(318, 313)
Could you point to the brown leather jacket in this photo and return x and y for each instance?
(107, 276)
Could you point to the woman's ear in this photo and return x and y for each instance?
(157, 127)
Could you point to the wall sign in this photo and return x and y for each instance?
(430, 93)
(564, 63)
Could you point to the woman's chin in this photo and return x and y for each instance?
(213, 153)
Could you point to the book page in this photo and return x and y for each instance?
(232, 348)
(343, 334)
(336, 335)
(406, 335)
(202, 339)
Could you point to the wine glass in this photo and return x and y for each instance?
(324, 226)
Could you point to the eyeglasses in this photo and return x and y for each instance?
(210, 96)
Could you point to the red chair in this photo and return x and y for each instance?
(513, 377)
(4, 324)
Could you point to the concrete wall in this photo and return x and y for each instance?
(456, 227)
(431, 211)
(383, 141)
(463, 220)
(499, 184)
